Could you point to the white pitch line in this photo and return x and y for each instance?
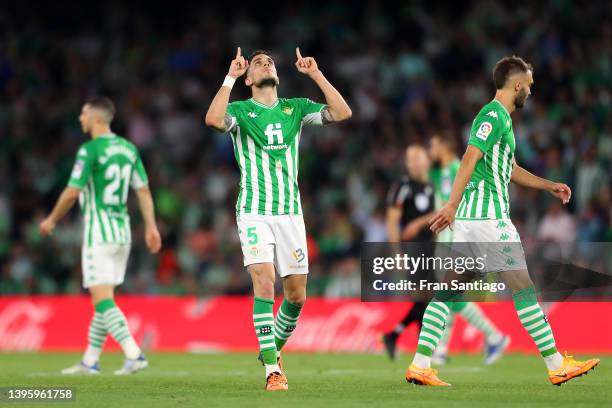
(59, 374)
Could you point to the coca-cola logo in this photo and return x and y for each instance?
(351, 327)
(21, 326)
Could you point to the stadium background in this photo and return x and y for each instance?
(407, 70)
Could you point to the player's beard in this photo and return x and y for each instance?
(520, 99)
(269, 81)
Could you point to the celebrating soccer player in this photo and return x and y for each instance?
(105, 168)
(266, 130)
(479, 208)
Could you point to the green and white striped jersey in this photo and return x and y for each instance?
(442, 179)
(104, 169)
(486, 194)
(266, 140)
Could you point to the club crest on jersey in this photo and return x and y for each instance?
(484, 130)
(493, 114)
(287, 110)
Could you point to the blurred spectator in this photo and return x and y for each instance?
(557, 225)
(408, 70)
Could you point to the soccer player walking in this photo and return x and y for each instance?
(265, 131)
(104, 169)
(411, 205)
(442, 151)
(479, 208)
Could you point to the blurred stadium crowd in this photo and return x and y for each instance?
(407, 71)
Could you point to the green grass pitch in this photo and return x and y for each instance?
(315, 380)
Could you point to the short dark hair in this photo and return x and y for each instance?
(103, 103)
(508, 66)
(258, 52)
(448, 139)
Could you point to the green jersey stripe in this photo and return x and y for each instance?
(108, 229)
(291, 184)
(267, 198)
(123, 222)
(254, 185)
(117, 224)
(296, 167)
(479, 204)
(280, 187)
(496, 179)
(100, 230)
(470, 203)
(507, 171)
(88, 221)
(461, 206)
(244, 193)
(260, 181)
(116, 229)
(287, 180)
(504, 174)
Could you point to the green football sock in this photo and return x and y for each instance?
(286, 322)
(434, 321)
(534, 321)
(474, 315)
(96, 338)
(263, 320)
(116, 324)
(448, 329)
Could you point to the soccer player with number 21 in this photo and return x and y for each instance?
(265, 131)
(104, 169)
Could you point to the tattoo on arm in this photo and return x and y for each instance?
(227, 122)
(326, 116)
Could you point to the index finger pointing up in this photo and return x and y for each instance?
(238, 53)
(297, 52)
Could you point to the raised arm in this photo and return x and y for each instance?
(64, 203)
(217, 116)
(147, 209)
(337, 109)
(524, 178)
(445, 216)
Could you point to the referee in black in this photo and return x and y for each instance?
(410, 204)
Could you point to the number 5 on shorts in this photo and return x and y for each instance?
(252, 235)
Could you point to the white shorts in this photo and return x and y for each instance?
(104, 264)
(277, 239)
(497, 239)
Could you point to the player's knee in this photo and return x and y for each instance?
(263, 282)
(296, 297)
(100, 293)
(264, 289)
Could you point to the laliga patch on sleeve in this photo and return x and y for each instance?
(484, 130)
(77, 169)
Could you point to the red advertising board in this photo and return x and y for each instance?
(59, 323)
